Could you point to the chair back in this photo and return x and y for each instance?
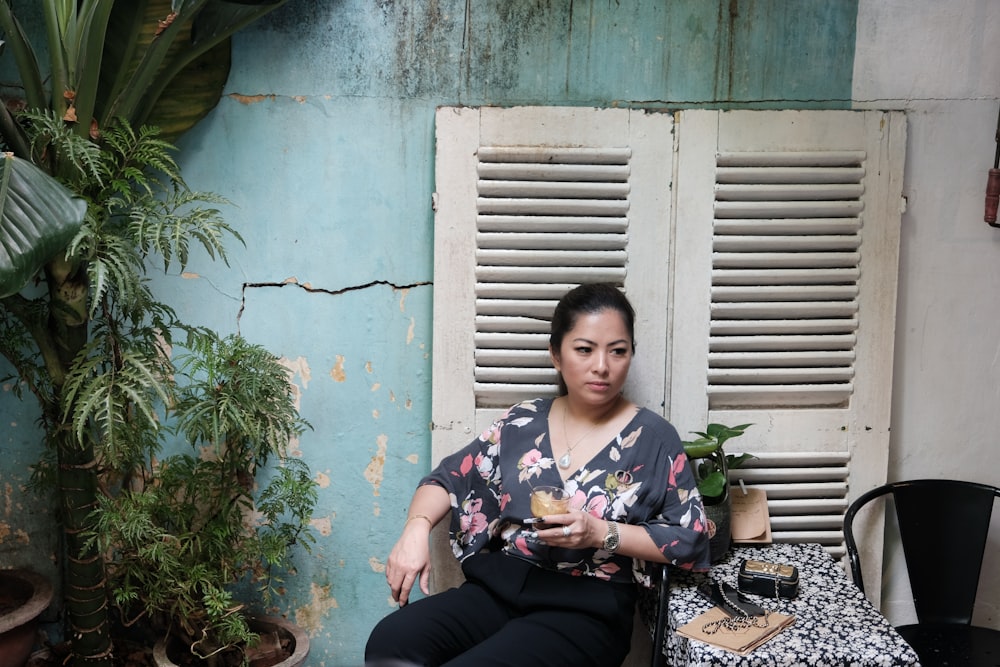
(943, 526)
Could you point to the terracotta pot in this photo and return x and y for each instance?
(27, 594)
(261, 625)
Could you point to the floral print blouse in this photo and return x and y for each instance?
(641, 477)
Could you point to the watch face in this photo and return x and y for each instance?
(611, 540)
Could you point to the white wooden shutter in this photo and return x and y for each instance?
(787, 236)
(765, 292)
(532, 202)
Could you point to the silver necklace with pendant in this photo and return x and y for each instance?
(567, 458)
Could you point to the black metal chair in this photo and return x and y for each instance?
(659, 598)
(943, 526)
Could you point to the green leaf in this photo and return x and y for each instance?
(39, 218)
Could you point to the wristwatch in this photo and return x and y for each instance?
(612, 540)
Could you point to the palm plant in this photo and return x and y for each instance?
(77, 319)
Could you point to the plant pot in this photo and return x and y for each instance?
(262, 625)
(24, 595)
(720, 527)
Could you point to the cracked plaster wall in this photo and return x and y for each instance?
(324, 142)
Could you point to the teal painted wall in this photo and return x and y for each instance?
(324, 142)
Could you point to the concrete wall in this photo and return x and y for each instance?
(938, 61)
(324, 142)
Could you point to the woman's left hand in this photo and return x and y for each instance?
(574, 530)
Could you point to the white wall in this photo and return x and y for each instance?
(940, 61)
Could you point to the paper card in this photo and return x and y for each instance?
(750, 520)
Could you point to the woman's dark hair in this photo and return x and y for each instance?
(589, 298)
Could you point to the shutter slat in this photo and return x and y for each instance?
(491, 395)
(574, 274)
(770, 192)
(569, 207)
(507, 358)
(725, 293)
(800, 506)
(785, 244)
(790, 159)
(533, 171)
(756, 260)
(787, 226)
(720, 327)
(785, 174)
(513, 341)
(778, 342)
(813, 358)
(537, 309)
(551, 190)
(560, 258)
(552, 291)
(494, 374)
(550, 154)
(493, 324)
(546, 241)
(770, 376)
(790, 396)
(551, 223)
(783, 309)
(787, 209)
(764, 277)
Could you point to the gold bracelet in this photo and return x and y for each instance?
(419, 516)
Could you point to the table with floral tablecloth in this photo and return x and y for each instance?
(835, 624)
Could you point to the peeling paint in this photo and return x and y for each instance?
(376, 468)
(322, 480)
(298, 367)
(376, 386)
(187, 275)
(413, 458)
(409, 330)
(301, 99)
(251, 99)
(337, 373)
(376, 510)
(4, 531)
(375, 414)
(322, 525)
(402, 299)
(369, 367)
(310, 617)
(376, 565)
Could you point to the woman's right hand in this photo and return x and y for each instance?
(410, 560)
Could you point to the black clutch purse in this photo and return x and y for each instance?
(771, 580)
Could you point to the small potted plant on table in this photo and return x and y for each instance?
(710, 465)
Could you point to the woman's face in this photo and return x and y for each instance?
(594, 357)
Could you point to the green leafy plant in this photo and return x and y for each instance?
(78, 321)
(710, 463)
(196, 523)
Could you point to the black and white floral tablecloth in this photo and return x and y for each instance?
(835, 625)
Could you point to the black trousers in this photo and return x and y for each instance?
(513, 614)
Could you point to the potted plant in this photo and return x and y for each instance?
(711, 464)
(190, 526)
(78, 232)
(24, 595)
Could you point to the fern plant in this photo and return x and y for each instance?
(196, 523)
(77, 319)
(174, 533)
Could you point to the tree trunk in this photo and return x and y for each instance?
(84, 586)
